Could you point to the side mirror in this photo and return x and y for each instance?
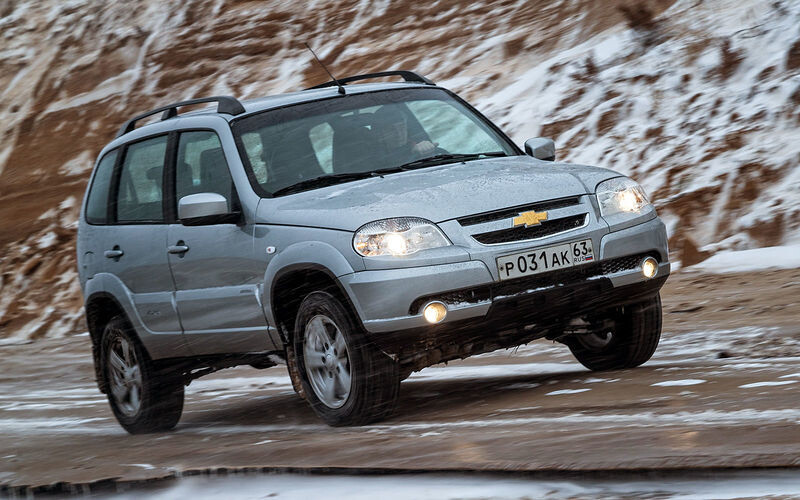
(541, 148)
(203, 209)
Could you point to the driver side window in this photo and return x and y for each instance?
(201, 167)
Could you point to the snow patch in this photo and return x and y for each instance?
(143, 466)
(727, 485)
(217, 386)
(757, 259)
(494, 371)
(80, 165)
(767, 384)
(679, 383)
(566, 391)
(47, 240)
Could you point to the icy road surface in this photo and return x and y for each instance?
(684, 486)
(721, 391)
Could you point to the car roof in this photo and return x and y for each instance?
(280, 100)
(252, 106)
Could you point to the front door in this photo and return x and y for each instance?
(215, 272)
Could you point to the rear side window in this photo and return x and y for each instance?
(97, 204)
(140, 194)
(201, 167)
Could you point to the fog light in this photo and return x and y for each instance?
(434, 312)
(649, 267)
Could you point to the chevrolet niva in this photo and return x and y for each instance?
(356, 233)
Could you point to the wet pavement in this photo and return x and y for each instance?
(699, 403)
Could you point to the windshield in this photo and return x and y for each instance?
(346, 138)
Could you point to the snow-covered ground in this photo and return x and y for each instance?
(720, 485)
(757, 259)
(720, 391)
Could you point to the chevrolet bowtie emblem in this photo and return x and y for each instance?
(532, 218)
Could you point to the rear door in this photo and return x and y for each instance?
(95, 221)
(216, 274)
(136, 243)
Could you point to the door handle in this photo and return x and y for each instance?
(114, 254)
(179, 249)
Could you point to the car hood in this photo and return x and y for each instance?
(437, 193)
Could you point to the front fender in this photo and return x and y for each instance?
(316, 255)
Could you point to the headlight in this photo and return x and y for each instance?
(620, 195)
(397, 237)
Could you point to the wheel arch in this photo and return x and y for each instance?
(292, 284)
(101, 307)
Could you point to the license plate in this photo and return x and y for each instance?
(545, 259)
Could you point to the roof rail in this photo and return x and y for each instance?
(225, 104)
(408, 76)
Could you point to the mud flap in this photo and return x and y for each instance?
(294, 372)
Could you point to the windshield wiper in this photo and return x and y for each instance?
(331, 179)
(322, 181)
(443, 158)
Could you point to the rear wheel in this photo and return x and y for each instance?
(142, 399)
(632, 341)
(346, 379)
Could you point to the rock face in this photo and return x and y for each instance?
(699, 101)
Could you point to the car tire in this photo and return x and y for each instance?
(143, 398)
(631, 343)
(334, 352)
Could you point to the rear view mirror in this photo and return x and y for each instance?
(541, 148)
(205, 208)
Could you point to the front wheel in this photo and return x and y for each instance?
(346, 379)
(633, 340)
(142, 399)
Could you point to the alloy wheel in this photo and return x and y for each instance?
(327, 361)
(125, 376)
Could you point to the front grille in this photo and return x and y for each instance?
(546, 228)
(531, 284)
(514, 211)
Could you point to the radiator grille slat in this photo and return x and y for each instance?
(507, 213)
(521, 233)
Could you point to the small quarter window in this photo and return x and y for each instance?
(140, 194)
(97, 204)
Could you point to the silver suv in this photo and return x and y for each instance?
(357, 233)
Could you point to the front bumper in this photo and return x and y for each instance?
(391, 300)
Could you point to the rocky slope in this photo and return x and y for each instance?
(698, 100)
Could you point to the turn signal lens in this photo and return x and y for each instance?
(434, 312)
(649, 267)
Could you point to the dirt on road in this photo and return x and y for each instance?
(721, 391)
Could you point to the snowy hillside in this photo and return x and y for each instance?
(698, 100)
(702, 107)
